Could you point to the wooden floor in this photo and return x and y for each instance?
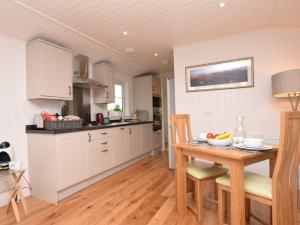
(142, 194)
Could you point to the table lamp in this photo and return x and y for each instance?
(286, 84)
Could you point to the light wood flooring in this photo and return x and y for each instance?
(142, 194)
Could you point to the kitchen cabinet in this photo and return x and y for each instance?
(61, 164)
(120, 150)
(134, 141)
(71, 159)
(104, 73)
(49, 71)
(146, 137)
(156, 86)
(156, 139)
(100, 155)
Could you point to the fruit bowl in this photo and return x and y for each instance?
(220, 143)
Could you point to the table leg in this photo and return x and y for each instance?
(12, 195)
(272, 163)
(237, 194)
(181, 183)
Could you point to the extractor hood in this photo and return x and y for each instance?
(81, 74)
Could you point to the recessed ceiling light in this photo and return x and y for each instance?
(222, 4)
(129, 50)
(155, 54)
(125, 33)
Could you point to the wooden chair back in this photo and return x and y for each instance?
(181, 128)
(285, 177)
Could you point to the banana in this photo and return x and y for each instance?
(224, 136)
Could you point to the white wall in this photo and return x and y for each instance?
(15, 110)
(273, 50)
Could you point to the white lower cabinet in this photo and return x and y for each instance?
(100, 155)
(146, 137)
(120, 148)
(61, 163)
(156, 140)
(134, 143)
(71, 159)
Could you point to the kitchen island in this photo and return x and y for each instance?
(64, 162)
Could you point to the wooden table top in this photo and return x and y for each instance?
(231, 153)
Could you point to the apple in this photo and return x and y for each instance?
(210, 136)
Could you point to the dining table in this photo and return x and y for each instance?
(235, 159)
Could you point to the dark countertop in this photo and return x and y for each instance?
(33, 129)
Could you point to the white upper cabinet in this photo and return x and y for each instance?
(104, 73)
(49, 71)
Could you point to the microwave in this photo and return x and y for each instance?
(156, 102)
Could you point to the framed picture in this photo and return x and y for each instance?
(236, 73)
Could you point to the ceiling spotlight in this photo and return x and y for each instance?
(125, 33)
(221, 4)
(155, 54)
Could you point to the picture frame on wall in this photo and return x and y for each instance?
(237, 73)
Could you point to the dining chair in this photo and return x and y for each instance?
(197, 172)
(280, 191)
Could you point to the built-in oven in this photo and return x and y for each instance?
(156, 102)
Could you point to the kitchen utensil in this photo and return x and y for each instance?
(220, 143)
(262, 148)
(253, 142)
(240, 132)
(202, 137)
(100, 118)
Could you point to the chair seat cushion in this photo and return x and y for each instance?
(202, 170)
(254, 184)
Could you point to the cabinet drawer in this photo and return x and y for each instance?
(101, 143)
(99, 134)
(100, 159)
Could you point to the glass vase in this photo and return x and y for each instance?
(240, 132)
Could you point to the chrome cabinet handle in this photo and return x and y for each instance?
(104, 150)
(122, 128)
(107, 95)
(104, 143)
(104, 133)
(90, 137)
(129, 131)
(70, 90)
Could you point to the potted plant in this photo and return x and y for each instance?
(116, 111)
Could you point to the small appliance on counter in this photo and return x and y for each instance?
(134, 117)
(6, 155)
(100, 118)
(142, 115)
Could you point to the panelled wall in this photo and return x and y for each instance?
(273, 50)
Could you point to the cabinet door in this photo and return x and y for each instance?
(146, 137)
(49, 71)
(104, 74)
(71, 152)
(134, 147)
(156, 140)
(100, 155)
(120, 146)
(58, 72)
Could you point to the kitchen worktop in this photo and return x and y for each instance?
(34, 129)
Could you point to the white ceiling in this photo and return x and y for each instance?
(94, 27)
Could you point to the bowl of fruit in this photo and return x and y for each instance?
(220, 140)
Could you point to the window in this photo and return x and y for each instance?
(119, 99)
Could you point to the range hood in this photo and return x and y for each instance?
(81, 74)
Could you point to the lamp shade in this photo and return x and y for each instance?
(285, 83)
